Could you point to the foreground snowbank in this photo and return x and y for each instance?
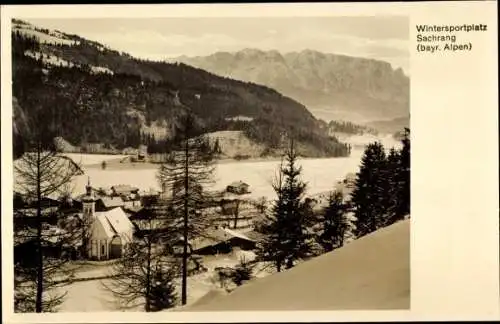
(372, 272)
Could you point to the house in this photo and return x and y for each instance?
(55, 244)
(149, 197)
(220, 240)
(238, 187)
(123, 190)
(132, 200)
(108, 203)
(93, 147)
(234, 211)
(142, 153)
(27, 217)
(130, 151)
(109, 232)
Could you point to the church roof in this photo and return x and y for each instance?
(114, 222)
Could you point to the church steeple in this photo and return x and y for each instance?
(88, 203)
(88, 188)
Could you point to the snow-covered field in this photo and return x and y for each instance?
(55, 38)
(320, 174)
(90, 159)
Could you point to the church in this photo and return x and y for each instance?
(108, 233)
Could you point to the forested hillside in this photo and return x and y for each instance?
(85, 92)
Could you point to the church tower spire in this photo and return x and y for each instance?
(88, 203)
(88, 188)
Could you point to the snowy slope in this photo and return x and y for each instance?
(51, 37)
(234, 143)
(372, 272)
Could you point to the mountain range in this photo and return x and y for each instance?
(333, 87)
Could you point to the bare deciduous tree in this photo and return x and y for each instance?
(39, 174)
(187, 169)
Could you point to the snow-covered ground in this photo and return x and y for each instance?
(92, 296)
(321, 174)
(234, 143)
(55, 60)
(54, 38)
(91, 159)
(370, 273)
(50, 60)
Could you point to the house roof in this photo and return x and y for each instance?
(237, 184)
(131, 197)
(237, 234)
(150, 192)
(216, 236)
(254, 235)
(372, 272)
(123, 189)
(110, 202)
(114, 222)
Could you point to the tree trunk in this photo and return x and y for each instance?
(39, 280)
(185, 229)
(236, 213)
(148, 276)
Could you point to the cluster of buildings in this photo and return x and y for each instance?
(108, 219)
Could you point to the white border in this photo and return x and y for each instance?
(454, 276)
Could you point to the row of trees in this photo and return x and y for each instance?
(167, 145)
(349, 128)
(382, 190)
(381, 196)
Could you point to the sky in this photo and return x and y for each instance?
(383, 38)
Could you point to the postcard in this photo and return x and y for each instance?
(250, 162)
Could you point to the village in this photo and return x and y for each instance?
(104, 221)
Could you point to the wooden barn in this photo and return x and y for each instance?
(221, 241)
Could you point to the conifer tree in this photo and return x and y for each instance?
(162, 291)
(242, 272)
(285, 229)
(393, 187)
(404, 176)
(188, 167)
(334, 222)
(369, 197)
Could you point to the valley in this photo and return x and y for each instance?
(268, 159)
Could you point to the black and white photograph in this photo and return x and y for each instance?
(177, 161)
(211, 164)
